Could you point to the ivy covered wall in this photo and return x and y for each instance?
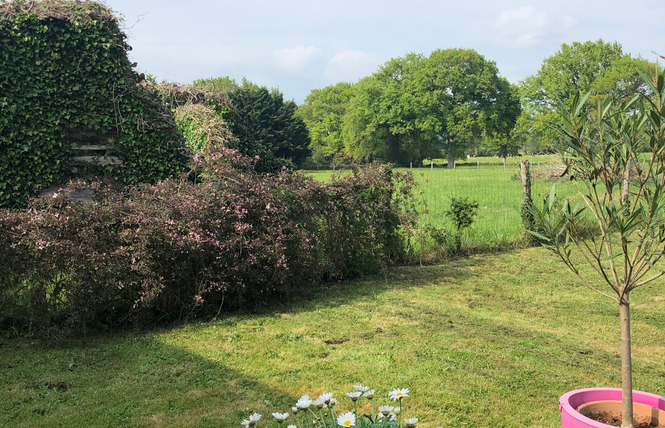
(64, 78)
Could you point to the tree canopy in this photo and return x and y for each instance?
(466, 100)
(416, 107)
(451, 103)
(599, 67)
(381, 119)
(323, 112)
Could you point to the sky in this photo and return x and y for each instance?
(300, 45)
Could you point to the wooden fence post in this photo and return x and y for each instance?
(527, 202)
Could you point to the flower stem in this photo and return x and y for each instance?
(399, 415)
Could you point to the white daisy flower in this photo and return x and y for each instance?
(369, 394)
(361, 388)
(292, 426)
(385, 410)
(304, 402)
(332, 402)
(399, 393)
(396, 410)
(326, 397)
(411, 423)
(354, 395)
(347, 419)
(319, 403)
(253, 419)
(281, 417)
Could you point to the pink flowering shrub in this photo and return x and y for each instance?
(177, 249)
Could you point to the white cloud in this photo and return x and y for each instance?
(523, 27)
(297, 58)
(349, 66)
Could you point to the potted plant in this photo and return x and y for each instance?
(616, 157)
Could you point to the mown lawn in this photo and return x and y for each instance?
(486, 341)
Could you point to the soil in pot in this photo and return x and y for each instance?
(609, 412)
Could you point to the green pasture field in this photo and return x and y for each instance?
(491, 340)
(498, 191)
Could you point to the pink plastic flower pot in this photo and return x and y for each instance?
(569, 402)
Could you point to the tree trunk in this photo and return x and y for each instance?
(626, 365)
(451, 153)
(527, 203)
(625, 191)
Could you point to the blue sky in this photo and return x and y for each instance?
(300, 45)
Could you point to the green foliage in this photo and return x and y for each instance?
(266, 126)
(220, 85)
(323, 112)
(383, 114)
(466, 99)
(462, 212)
(616, 155)
(65, 73)
(262, 123)
(201, 126)
(597, 67)
(416, 107)
(178, 249)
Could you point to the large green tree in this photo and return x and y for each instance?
(381, 119)
(415, 107)
(599, 67)
(323, 112)
(464, 100)
(500, 136)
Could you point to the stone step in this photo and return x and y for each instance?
(96, 160)
(92, 147)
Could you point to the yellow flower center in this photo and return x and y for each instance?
(399, 394)
(347, 423)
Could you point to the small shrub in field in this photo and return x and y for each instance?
(461, 212)
(176, 249)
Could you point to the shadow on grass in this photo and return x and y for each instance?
(130, 379)
(125, 380)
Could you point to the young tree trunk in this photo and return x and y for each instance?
(625, 190)
(451, 153)
(626, 365)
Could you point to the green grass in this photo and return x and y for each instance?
(486, 341)
(498, 192)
